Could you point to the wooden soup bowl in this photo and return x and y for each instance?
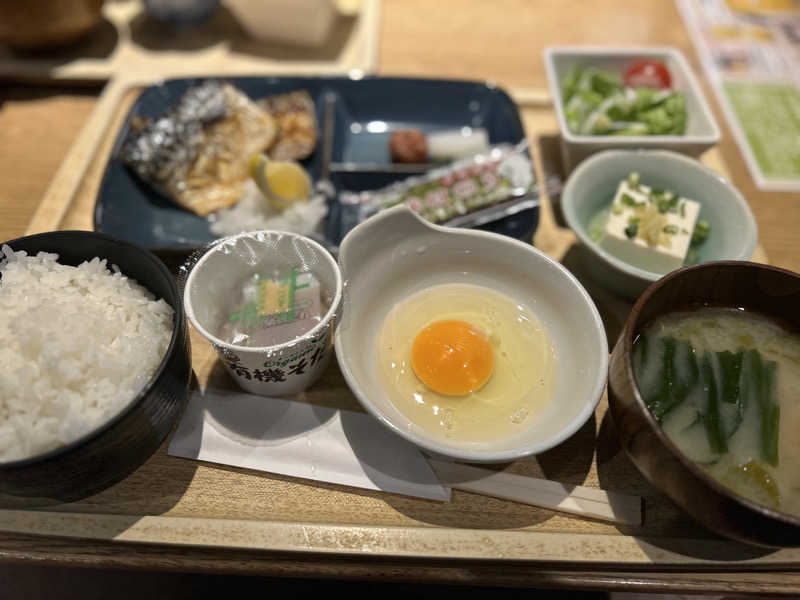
(762, 289)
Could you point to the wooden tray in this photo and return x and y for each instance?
(176, 501)
(128, 42)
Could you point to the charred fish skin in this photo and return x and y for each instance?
(168, 144)
(198, 151)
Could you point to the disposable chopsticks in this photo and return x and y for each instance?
(574, 499)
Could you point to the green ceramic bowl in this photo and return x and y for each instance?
(591, 187)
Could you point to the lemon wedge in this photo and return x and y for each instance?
(284, 183)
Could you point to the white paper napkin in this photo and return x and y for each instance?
(302, 440)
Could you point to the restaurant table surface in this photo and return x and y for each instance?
(500, 41)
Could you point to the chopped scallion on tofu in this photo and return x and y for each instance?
(652, 228)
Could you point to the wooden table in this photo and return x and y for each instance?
(500, 41)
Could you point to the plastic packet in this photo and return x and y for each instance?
(272, 309)
(466, 193)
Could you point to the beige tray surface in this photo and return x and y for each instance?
(172, 500)
(128, 42)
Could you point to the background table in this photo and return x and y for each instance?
(500, 41)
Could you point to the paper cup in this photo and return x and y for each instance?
(216, 275)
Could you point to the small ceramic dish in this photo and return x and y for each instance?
(591, 187)
(702, 131)
(395, 254)
(766, 290)
(117, 447)
(209, 297)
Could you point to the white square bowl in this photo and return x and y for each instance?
(701, 133)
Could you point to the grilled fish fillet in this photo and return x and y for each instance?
(296, 122)
(197, 153)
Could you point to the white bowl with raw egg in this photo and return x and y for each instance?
(471, 345)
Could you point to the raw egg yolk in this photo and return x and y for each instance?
(452, 357)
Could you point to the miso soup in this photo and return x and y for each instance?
(725, 386)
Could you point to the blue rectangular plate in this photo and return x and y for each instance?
(367, 111)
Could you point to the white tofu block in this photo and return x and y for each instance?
(670, 251)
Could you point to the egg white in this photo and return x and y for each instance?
(524, 374)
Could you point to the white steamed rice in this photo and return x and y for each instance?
(78, 344)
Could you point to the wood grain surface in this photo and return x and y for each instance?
(501, 41)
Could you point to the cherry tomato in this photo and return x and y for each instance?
(648, 73)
